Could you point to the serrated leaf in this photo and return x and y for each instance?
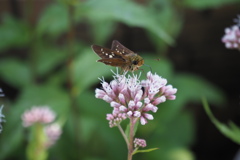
(15, 72)
(231, 131)
(145, 150)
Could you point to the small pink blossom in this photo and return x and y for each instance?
(139, 143)
(38, 114)
(232, 36)
(134, 98)
(53, 132)
(114, 119)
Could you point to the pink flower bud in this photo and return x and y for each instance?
(115, 104)
(99, 93)
(159, 100)
(137, 114)
(139, 143)
(129, 113)
(121, 98)
(143, 121)
(107, 99)
(148, 116)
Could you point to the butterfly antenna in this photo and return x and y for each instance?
(148, 66)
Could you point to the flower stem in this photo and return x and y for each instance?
(123, 134)
(36, 149)
(131, 137)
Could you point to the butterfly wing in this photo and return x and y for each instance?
(109, 57)
(113, 62)
(105, 52)
(119, 48)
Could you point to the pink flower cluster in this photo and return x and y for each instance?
(132, 98)
(232, 37)
(43, 115)
(38, 114)
(139, 143)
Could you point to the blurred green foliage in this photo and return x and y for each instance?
(231, 131)
(47, 64)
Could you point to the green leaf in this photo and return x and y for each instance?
(13, 33)
(168, 130)
(231, 131)
(145, 150)
(102, 30)
(169, 135)
(48, 58)
(124, 11)
(11, 139)
(53, 21)
(193, 87)
(44, 94)
(15, 72)
(180, 154)
(163, 67)
(169, 18)
(127, 130)
(86, 70)
(204, 4)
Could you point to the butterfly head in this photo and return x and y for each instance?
(136, 62)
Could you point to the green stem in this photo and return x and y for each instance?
(123, 134)
(36, 149)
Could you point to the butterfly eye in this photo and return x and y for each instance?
(135, 62)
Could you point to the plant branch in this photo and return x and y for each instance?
(123, 134)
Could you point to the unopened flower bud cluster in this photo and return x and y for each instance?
(139, 143)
